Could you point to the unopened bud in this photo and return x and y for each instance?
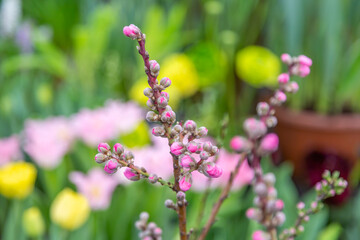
(212, 171)
(129, 155)
(240, 144)
(207, 146)
(148, 92)
(118, 148)
(131, 174)
(180, 196)
(271, 121)
(262, 108)
(154, 68)
(100, 158)
(260, 189)
(168, 116)
(283, 78)
(111, 166)
(286, 58)
(169, 204)
(254, 128)
(190, 126)
(204, 155)
(192, 147)
(152, 116)
(186, 161)
(185, 182)
(177, 148)
(165, 82)
(165, 95)
(269, 144)
(158, 131)
(202, 131)
(132, 31)
(280, 96)
(162, 102)
(103, 148)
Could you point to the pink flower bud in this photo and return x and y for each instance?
(186, 161)
(131, 174)
(240, 144)
(132, 31)
(154, 67)
(286, 58)
(250, 213)
(207, 146)
(165, 95)
(300, 205)
(190, 125)
(294, 87)
(158, 131)
(262, 108)
(280, 96)
(304, 60)
(304, 70)
(185, 183)
(260, 235)
(254, 128)
(279, 205)
(192, 147)
(284, 78)
(111, 166)
(168, 116)
(204, 155)
(202, 131)
(103, 148)
(165, 82)
(150, 103)
(158, 231)
(177, 148)
(100, 158)
(213, 171)
(279, 218)
(162, 102)
(118, 148)
(128, 155)
(269, 144)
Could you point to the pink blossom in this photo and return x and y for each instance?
(9, 149)
(185, 183)
(304, 60)
(304, 70)
(47, 141)
(106, 123)
(103, 147)
(269, 144)
(186, 161)
(260, 235)
(283, 78)
(279, 204)
(240, 144)
(177, 148)
(280, 96)
(250, 213)
(131, 31)
(131, 175)
(111, 166)
(213, 170)
(286, 58)
(96, 186)
(192, 147)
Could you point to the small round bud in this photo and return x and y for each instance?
(202, 131)
(204, 155)
(262, 108)
(154, 67)
(254, 128)
(100, 158)
(185, 182)
(304, 70)
(131, 174)
(207, 146)
(118, 148)
(153, 178)
(144, 216)
(283, 78)
(300, 206)
(260, 189)
(165, 82)
(192, 147)
(304, 60)
(240, 144)
(162, 102)
(177, 128)
(169, 203)
(158, 131)
(269, 179)
(279, 205)
(103, 148)
(212, 170)
(286, 58)
(129, 156)
(111, 166)
(168, 116)
(190, 125)
(279, 218)
(151, 226)
(214, 150)
(269, 144)
(148, 92)
(271, 121)
(294, 87)
(165, 95)
(132, 31)
(152, 116)
(150, 103)
(180, 196)
(260, 235)
(177, 148)
(280, 96)
(186, 161)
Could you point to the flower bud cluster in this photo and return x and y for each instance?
(148, 231)
(116, 159)
(132, 32)
(268, 208)
(299, 65)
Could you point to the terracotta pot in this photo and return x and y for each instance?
(302, 133)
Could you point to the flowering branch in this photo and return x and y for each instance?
(224, 194)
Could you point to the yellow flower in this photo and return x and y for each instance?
(33, 222)
(257, 66)
(17, 179)
(182, 73)
(136, 93)
(69, 210)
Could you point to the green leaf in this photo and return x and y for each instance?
(331, 232)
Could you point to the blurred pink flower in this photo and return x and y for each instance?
(96, 186)
(47, 141)
(106, 123)
(9, 149)
(227, 161)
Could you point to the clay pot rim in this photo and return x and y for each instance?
(314, 120)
